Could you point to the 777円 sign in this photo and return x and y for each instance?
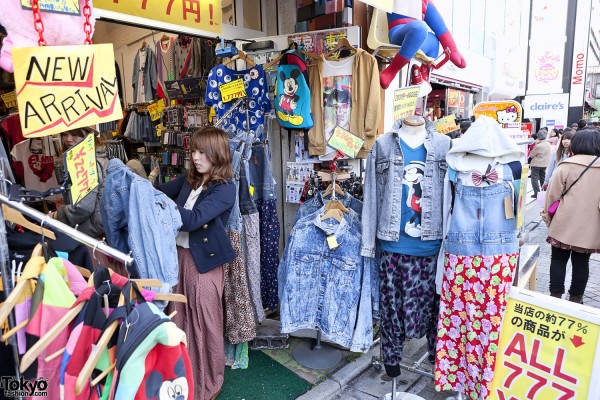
(548, 350)
(80, 162)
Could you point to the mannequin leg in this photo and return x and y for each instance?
(392, 333)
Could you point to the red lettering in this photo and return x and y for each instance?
(144, 4)
(192, 6)
(517, 346)
(80, 154)
(577, 80)
(169, 7)
(513, 375)
(560, 356)
(541, 382)
(502, 396)
(534, 355)
(568, 393)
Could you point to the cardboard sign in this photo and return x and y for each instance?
(10, 99)
(446, 125)
(58, 6)
(80, 162)
(548, 350)
(507, 113)
(197, 14)
(155, 109)
(345, 141)
(232, 90)
(405, 102)
(65, 87)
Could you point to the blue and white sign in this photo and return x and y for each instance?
(551, 106)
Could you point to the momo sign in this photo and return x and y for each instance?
(65, 87)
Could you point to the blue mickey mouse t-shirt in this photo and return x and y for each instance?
(255, 83)
(410, 242)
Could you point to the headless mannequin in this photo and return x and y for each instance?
(413, 131)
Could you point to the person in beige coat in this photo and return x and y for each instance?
(574, 230)
(540, 157)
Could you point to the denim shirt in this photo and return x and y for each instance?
(141, 219)
(324, 288)
(383, 188)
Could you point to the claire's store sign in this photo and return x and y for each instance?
(65, 87)
(550, 107)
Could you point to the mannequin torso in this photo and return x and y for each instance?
(413, 131)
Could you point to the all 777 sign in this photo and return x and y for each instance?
(548, 350)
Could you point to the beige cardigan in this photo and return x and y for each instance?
(577, 220)
(366, 103)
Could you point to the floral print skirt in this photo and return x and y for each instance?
(473, 301)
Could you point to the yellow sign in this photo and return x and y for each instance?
(10, 99)
(57, 6)
(446, 125)
(507, 113)
(156, 109)
(232, 90)
(197, 14)
(65, 87)
(80, 161)
(547, 350)
(345, 141)
(405, 102)
(522, 195)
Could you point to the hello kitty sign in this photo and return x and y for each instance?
(507, 113)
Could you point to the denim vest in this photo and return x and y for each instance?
(383, 188)
(324, 288)
(479, 225)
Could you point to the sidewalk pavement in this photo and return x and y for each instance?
(362, 379)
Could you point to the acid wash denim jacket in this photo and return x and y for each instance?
(383, 188)
(327, 289)
(143, 220)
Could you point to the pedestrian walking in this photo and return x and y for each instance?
(540, 157)
(574, 226)
(562, 153)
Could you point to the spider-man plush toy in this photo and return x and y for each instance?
(413, 34)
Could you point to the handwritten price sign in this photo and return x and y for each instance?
(547, 350)
(232, 90)
(80, 161)
(446, 125)
(156, 109)
(345, 141)
(405, 102)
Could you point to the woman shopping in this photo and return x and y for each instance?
(574, 227)
(562, 153)
(204, 198)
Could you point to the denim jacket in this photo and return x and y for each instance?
(383, 188)
(324, 288)
(141, 219)
(314, 204)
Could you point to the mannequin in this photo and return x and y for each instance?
(402, 209)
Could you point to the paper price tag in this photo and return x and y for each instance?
(251, 190)
(156, 109)
(232, 90)
(345, 141)
(332, 242)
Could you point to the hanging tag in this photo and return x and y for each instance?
(332, 242)
(508, 208)
(251, 190)
(127, 325)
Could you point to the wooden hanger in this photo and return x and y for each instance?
(338, 205)
(333, 213)
(241, 56)
(144, 44)
(342, 42)
(165, 38)
(273, 61)
(329, 190)
(12, 215)
(83, 378)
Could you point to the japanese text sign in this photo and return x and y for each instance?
(446, 125)
(405, 102)
(65, 87)
(232, 90)
(507, 113)
(80, 162)
(57, 6)
(345, 141)
(155, 109)
(548, 350)
(197, 14)
(9, 99)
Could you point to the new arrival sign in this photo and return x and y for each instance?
(548, 350)
(65, 87)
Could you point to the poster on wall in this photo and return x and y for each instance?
(65, 87)
(197, 14)
(548, 349)
(296, 176)
(546, 69)
(318, 43)
(508, 113)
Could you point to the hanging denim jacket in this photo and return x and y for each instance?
(139, 218)
(328, 289)
(383, 188)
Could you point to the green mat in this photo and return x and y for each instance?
(264, 379)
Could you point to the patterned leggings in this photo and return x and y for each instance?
(408, 305)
